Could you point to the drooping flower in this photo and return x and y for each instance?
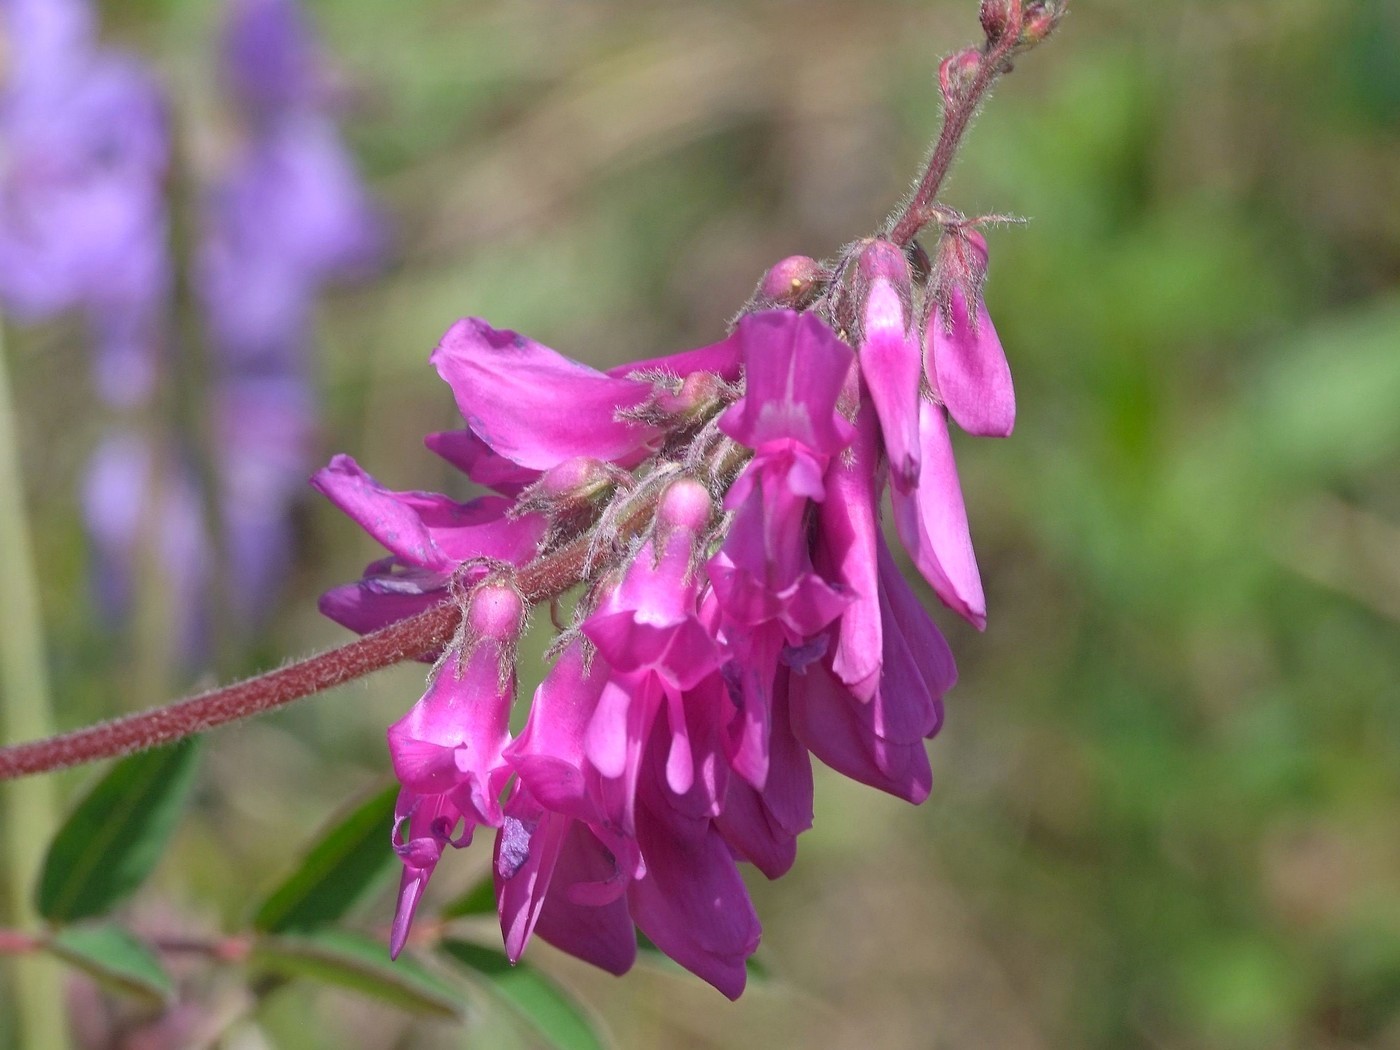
(965, 361)
(740, 611)
(446, 750)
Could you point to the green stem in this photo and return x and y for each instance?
(25, 713)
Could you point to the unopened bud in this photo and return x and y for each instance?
(994, 15)
(579, 477)
(957, 72)
(882, 258)
(962, 258)
(570, 494)
(1041, 18)
(881, 263)
(696, 396)
(686, 504)
(791, 283)
(496, 611)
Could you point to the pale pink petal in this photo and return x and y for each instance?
(891, 363)
(968, 368)
(932, 524)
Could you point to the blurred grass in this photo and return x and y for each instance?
(1165, 812)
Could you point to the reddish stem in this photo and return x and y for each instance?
(428, 631)
(957, 115)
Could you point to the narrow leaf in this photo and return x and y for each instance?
(361, 964)
(349, 861)
(479, 900)
(116, 835)
(551, 1012)
(115, 958)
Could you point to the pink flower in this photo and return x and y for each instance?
(447, 750)
(740, 614)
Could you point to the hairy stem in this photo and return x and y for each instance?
(543, 579)
(957, 115)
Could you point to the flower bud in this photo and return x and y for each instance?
(957, 72)
(1041, 18)
(495, 611)
(570, 495)
(791, 283)
(994, 15)
(687, 505)
(964, 361)
(889, 354)
(695, 397)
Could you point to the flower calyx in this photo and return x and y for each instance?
(571, 496)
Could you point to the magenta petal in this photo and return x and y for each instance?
(932, 524)
(828, 720)
(682, 653)
(911, 619)
(527, 848)
(452, 738)
(548, 755)
(845, 553)
(795, 368)
(763, 826)
(535, 407)
(386, 594)
(412, 883)
(903, 710)
(474, 458)
(600, 934)
(968, 368)
(426, 825)
(891, 364)
(724, 359)
(425, 529)
(752, 834)
(693, 904)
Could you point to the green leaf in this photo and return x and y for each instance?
(115, 958)
(479, 900)
(359, 963)
(550, 1011)
(116, 835)
(348, 862)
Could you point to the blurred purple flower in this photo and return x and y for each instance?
(287, 216)
(82, 169)
(132, 494)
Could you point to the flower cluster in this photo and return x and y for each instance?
(739, 611)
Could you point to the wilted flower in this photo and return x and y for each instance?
(740, 611)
